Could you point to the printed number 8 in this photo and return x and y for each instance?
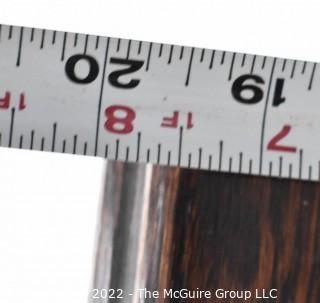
(124, 121)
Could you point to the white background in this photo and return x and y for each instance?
(49, 203)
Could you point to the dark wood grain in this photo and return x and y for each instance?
(207, 231)
(242, 232)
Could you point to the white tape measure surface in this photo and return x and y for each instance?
(164, 104)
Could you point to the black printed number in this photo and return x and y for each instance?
(245, 89)
(132, 66)
(92, 73)
(277, 97)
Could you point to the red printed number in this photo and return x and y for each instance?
(274, 142)
(6, 100)
(173, 121)
(22, 103)
(119, 119)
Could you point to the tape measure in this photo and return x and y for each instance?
(165, 104)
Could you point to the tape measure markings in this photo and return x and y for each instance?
(264, 117)
(229, 68)
(11, 126)
(100, 97)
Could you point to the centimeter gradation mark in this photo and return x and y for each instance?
(264, 117)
